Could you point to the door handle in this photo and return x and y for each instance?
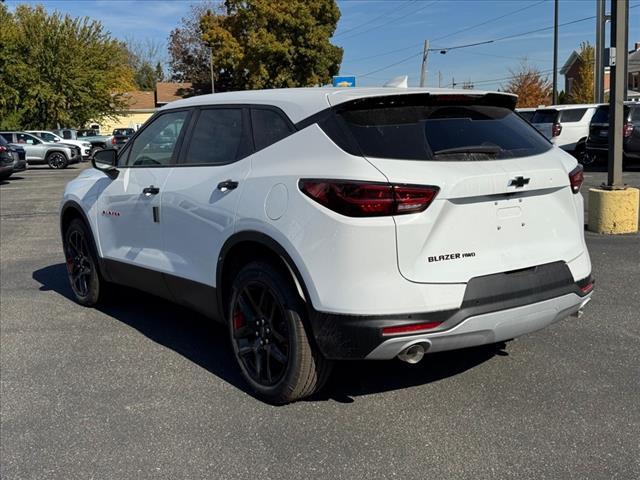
(150, 190)
(227, 185)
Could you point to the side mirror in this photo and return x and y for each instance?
(106, 161)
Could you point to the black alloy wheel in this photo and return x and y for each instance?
(260, 333)
(57, 160)
(276, 355)
(85, 279)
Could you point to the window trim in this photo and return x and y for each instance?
(123, 155)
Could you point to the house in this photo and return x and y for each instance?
(571, 70)
(141, 105)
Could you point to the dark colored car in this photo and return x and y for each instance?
(12, 159)
(598, 140)
(121, 136)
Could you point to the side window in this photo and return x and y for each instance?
(572, 115)
(635, 114)
(217, 137)
(268, 127)
(27, 139)
(155, 145)
(7, 136)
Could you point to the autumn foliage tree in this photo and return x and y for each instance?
(532, 88)
(582, 90)
(272, 43)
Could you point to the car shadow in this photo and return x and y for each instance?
(205, 343)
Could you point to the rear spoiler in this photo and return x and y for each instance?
(505, 100)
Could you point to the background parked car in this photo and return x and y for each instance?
(98, 142)
(47, 136)
(56, 155)
(567, 126)
(526, 113)
(598, 141)
(121, 136)
(8, 156)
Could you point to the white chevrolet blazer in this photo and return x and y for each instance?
(324, 224)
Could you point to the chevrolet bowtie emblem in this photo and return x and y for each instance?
(519, 182)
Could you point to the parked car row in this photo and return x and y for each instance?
(583, 130)
(39, 151)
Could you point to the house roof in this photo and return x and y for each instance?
(138, 100)
(569, 63)
(169, 91)
(300, 103)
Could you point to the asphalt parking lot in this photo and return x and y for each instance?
(145, 389)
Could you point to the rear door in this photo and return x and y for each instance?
(543, 119)
(504, 203)
(575, 127)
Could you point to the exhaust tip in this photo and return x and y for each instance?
(412, 354)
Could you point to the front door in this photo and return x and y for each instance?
(129, 207)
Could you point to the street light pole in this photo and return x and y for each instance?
(599, 71)
(555, 52)
(423, 71)
(213, 86)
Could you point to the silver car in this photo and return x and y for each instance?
(56, 155)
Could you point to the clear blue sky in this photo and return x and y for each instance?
(378, 33)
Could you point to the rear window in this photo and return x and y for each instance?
(544, 116)
(572, 115)
(602, 114)
(440, 132)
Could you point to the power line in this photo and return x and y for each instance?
(392, 20)
(489, 20)
(383, 15)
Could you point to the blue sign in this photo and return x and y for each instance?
(344, 81)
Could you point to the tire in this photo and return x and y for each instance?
(270, 341)
(87, 284)
(57, 160)
(582, 156)
(4, 176)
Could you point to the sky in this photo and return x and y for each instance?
(384, 38)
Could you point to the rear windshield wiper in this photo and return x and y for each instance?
(489, 149)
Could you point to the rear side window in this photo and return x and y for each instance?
(572, 115)
(442, 132)
(602, 114)
(217, 137)
(545, 116)
(7, 136)
(268, 127)
(635, 114)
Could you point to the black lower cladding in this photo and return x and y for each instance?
(355, 336)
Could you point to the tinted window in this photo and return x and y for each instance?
(156, 143)
(602, 114)
(526, 115)
(572, 115)
(544, 116)
(268, 127)
(635, 113)
(7, 136)
(414, 132)
(217, 137)
(47, 137)
(3, 141)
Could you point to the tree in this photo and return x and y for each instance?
(528, 83)
(188, 54)
(58, 70)
(582, 90)
(142, 58)
(272, 43)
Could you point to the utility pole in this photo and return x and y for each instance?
(619, 27)
(423, 72)
(213, 86)
(555, 52)
(439, 79)
(599, 71)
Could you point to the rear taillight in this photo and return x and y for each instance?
(113, 140)
(360, 199)
(627, 130)
(556, 129)
(3, 148)
(576, 177)
(414, 328)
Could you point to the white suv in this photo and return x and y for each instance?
(324, 224)
(567, 126)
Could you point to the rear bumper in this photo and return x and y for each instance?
(495, 308)
(488, 328)
(20, 166)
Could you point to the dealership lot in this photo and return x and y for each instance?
(145, 389)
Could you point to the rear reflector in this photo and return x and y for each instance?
(415, 328)
(576, 177)
(587, 288)
(627, 130)
(360, 199)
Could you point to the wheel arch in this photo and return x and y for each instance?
(57, 150)
(244, 247)
(72, 210)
